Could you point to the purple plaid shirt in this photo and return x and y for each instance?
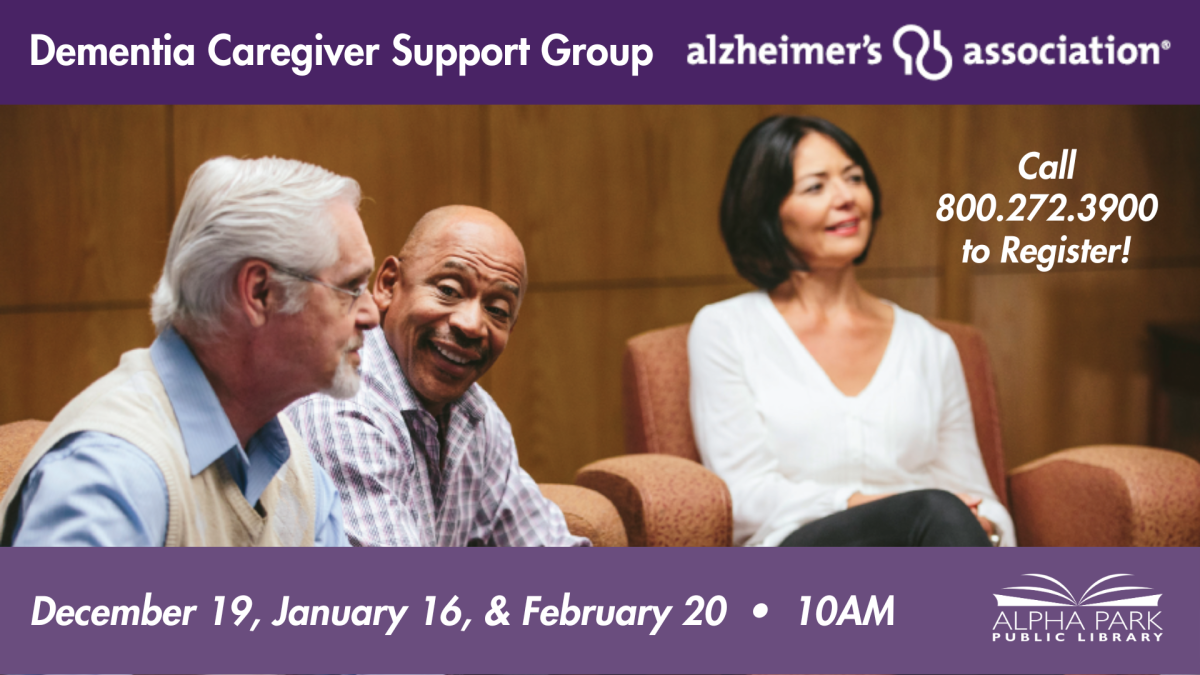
(381, 449)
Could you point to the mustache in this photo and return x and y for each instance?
(476, 346)
(355, 343)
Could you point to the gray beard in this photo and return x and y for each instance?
(346, 380)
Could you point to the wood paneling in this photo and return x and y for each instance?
(1069, 343)
(49, 357)
(916, 294)
(1120, 151)
(408, 160)
(1070, 351)
(85, 215)
(615, 192)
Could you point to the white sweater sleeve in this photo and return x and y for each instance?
(735, 444)
(959, 464)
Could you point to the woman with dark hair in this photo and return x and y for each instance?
(836, 418)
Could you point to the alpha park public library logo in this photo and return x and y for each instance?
(1110, 613)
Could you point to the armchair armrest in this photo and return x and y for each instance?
(16, 440)
(588, 513)
(1107, 495)
(664, 500)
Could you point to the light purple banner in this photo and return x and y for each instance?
(777, 52)
(601, 611)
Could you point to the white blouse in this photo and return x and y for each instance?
(793, 448)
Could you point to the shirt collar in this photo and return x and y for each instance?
(207, 433)
(377, 348)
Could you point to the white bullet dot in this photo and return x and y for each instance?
(760, 610)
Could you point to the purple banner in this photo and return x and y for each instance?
(603, 610)
(614, 52)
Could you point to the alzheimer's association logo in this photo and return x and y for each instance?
(1102, 613)
(1086, 600)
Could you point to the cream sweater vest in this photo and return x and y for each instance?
(206, 510)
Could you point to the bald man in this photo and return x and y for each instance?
(422, 456)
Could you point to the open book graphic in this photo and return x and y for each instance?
(1085, 601)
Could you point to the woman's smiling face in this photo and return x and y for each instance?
(827, 216)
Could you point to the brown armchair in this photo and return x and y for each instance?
(588, 514)
(1105, 495)
(16, 440)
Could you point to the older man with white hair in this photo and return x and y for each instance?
(261, 302)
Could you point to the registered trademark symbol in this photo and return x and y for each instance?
(1166, 44)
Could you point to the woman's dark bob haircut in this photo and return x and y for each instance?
(760, 179)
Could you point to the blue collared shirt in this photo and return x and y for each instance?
(94, 489)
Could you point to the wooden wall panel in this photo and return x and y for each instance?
(1121, 150)
(1070, 343)
(1071, 349)
(615, 192)
(85, 199)
(49, 357)
(559, 380)
(916, 294)
(1169, 140)
(408, 160)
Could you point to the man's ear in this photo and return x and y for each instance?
(253, 291)
(387, 284)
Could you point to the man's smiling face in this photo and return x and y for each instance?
(451, 301)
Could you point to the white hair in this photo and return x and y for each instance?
(276, 210)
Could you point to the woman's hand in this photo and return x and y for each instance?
(973, 504)
(858, 499)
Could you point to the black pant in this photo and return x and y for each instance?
(919, 518)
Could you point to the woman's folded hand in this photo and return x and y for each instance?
(973, 504)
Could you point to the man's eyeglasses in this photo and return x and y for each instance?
(354, 294)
